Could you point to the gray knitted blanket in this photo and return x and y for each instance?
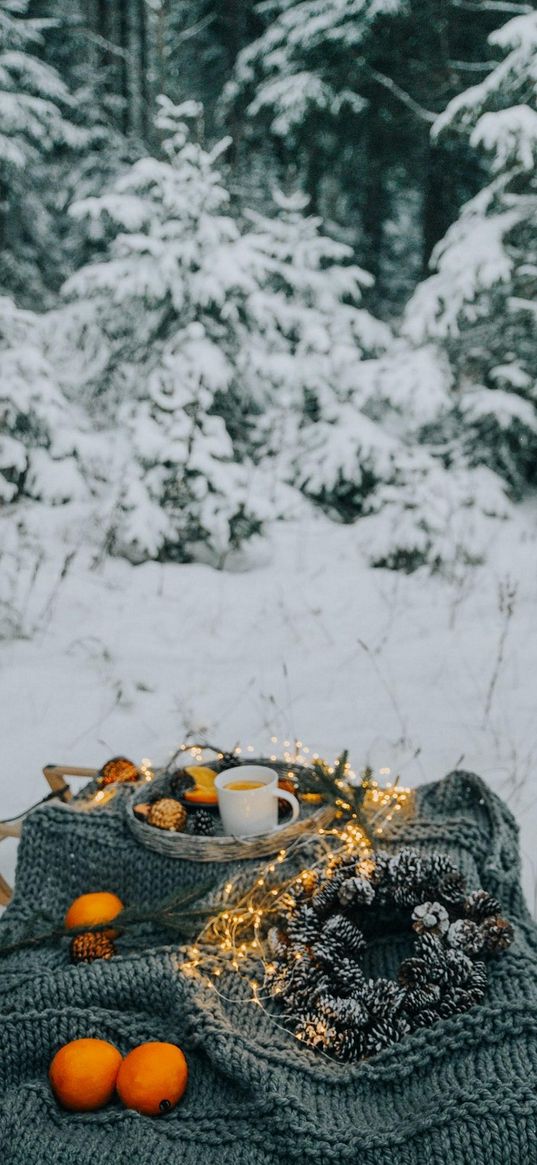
(461, 1092)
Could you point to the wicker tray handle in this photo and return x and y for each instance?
(54, 775)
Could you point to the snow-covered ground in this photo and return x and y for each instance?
(411, 673)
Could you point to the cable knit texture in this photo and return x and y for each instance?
(461, 1092)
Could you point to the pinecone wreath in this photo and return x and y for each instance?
(167, 814)
(91, 945)
(316, 969)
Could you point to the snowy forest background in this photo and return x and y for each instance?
(268, 382)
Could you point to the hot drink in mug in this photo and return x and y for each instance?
(248, 800)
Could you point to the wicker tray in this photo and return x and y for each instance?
(220, 848)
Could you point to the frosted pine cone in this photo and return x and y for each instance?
(430, 918)
(466, 935)
(357, 891)
(497, 934)
(480, 905)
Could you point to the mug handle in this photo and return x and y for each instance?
(290, 797)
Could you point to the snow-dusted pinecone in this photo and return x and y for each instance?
(325, 897)
(304, 926)
(347, 976)
(406, 877)
(91, 945)
(346, 932)
(466, 934)
(314, 1032)
(412, 973)
(356, 891)
(480, 905)
(422, 998)
(202, 823)
(451, 888)
(384, 1033)
(430, 918)
(348, 1045)
(167, 814)
(430, 949)
(497, 934)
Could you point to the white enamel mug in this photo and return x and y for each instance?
(248, 812)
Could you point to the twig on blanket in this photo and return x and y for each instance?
(172, 914)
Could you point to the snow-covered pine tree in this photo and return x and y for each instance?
(315, 334)
(160, 321)
(33, 101)
(480, 303)
(39, 430)
(346, 415)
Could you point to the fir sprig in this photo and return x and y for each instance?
(335, 788)
(172, 914)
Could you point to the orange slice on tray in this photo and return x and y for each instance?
(202, 775)
(203, 792)
(200, 796)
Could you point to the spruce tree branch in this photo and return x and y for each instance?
(472, 66)
(401, 94)
(194, 29)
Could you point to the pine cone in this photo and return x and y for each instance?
(348, 1045)
(278, 941)
(406, 877)
(90, 945)
(480, 905)
(421, 998)
(325, 897)
(356, 891)
(430, 918)
(119, 770)
(314, 1032)
(346, 932)
(167, 814)
(202, 823)
(384, 1033)
(466, 934)
(412, 973)
(452, 887)
(304, 925)
(347, 976)
(497, 934)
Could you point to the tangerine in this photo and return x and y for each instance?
(200, 795)
(83, 1074)
(152, 1078)
(92, 909)
(202, 775)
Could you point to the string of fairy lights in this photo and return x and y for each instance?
(234, 937)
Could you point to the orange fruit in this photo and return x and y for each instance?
(202, 775)
(152, 1078)
(200, 795)
(83, 1074)
(91, 909)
